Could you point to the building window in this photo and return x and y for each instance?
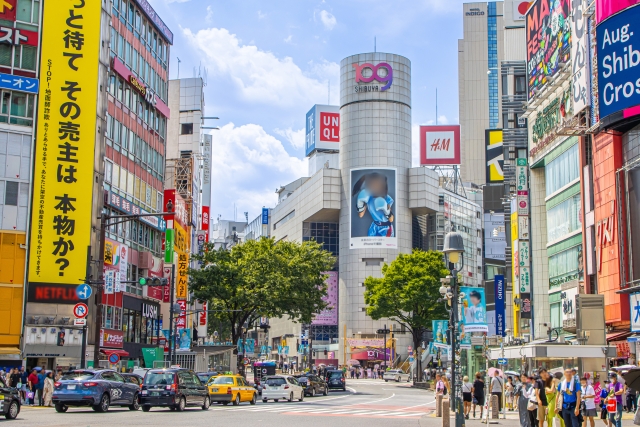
(521, 85)
(563, 219)
(562, 170)
(285, 219)
(565, 266)
(324, 233)
(11, 194)
(186, 129)
(556, 315)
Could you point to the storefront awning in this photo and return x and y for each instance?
(110, 351)
(618, 336)
(9, 350)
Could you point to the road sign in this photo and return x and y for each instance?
(84, 291)
(79, 322)
(502, 361)
(114, 358)
(80, 310)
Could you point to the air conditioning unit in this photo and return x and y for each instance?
(526, 337)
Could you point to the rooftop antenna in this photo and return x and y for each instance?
(178, 67)
(374, 45)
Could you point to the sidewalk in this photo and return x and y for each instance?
(512, 419)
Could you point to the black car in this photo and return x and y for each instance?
(174, 389)
(335, 379)
(312, 385)
(10, 404)
(206, 376)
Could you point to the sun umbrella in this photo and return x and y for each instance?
(492, 371)
(512, 373)
(38, 368)
(632, 378)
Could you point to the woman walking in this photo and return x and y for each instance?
(478, 394)
(551, 390)
(522, 401)
(509, 388)
(48, 389)
(467, 397)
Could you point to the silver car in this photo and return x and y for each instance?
(396, 375)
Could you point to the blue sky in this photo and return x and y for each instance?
(269, 62)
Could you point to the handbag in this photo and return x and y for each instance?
(612, 405)
(559, 403)
(475, 401)
(532, 406)
(636, 419)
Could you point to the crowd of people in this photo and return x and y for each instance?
(35, 385)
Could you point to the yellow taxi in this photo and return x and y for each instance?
(231, 388)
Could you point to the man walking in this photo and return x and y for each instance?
(496, 388)
(571, 398)
(615, 389)
(541, 395)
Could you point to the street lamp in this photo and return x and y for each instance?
(453, 251)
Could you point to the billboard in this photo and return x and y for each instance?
(580, 61)
(474, 306)
(329, 316)
(65, 148)
(207, 158)
(440, 330)
(179, 207)
(373, 195)
(607, 8)
(495, 155)
(116, 262)
(156, 270)
(548, 36)
(499, 288)
(495, 241)
(322, 129)
(618, 54)
(440, 145)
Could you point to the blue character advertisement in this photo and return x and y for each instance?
(183, 340)
(474, 309)
(440, 329)
(373, 194)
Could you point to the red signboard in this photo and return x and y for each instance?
(110, 338)
(181, 321)
(440, 145)
(156, 270)
(205, 218)
(330, 127)
(179, 207)
(203, 315)
(166, 273)
(52, 294)
(8, 10)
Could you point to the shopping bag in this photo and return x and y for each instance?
(30, 395)
(612, 405)
(556, 422)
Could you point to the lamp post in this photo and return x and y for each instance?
(453, 251)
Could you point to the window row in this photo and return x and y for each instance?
(562, 170)
(19, 56)
(139, 191)
(139, 329)
(136, 234)
(563, 219)
(565, 263)
(17, 108)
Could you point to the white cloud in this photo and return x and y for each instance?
(295, 137)
(261, 15)
(259, 76)
(288, 39)
(248, 165)
(328, 20)
(209, 16)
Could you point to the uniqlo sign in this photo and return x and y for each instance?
(330, 127)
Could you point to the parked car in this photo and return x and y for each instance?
(205, 377)
(335, 380)
(396, 375)
(99, 389)
(10, 403)
(278, 387)
(312, 385)
(232, 388)
(173, 388)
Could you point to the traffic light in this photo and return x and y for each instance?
(153, 281)
(61, 336)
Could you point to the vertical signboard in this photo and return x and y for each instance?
(522, 175)
(495, 242)
(474, 309)
(65, 145)
(495, 155)
(580, 57)
(498, 282)
(322, 129)
(329, 316)
(182, 249)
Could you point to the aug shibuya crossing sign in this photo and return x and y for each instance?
(367, 73)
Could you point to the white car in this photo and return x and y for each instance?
(278, 387)
(396, 375)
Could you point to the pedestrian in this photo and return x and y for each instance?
(32, 383)
(440, 388)
(551, 391)
(58, 374)
(541, 396)
(40, 386)
(48, 389)
(467, 396)
(509, 387)
(604, 414)
(588, 400)
(352, 372)
(496, 388)
(24, 375)
(615, 390)
(7, 377)
(520, 395)
(631, 400)
(14, 379)
(478, 394)
(369, 373)
(357, 374)
(570, 393)
(532, 401)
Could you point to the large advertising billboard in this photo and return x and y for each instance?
(495, 240)
(618, 53)
(322, 129)
(495, 155)
(607, 8)
(440, 145)
(64, 154)
(373, 195)
(580, 61)
(548, 41)
(329, 316)
(474, 309)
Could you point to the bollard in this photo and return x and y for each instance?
(438, 405)
(446, 420)
(495, 412)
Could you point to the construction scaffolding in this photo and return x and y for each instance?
(183, 177)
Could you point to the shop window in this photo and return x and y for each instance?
(186, 129)
(11, 193)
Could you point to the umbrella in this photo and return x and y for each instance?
(632, 378)
(492, 371)
(38, 368)
(624, 367)
(512, 373)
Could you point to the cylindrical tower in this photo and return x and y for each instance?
(375, 155)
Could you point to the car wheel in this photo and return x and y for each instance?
(253, 399)
(12, 413)
(236, 401)
(146, 408)
(136, 403)
(276, 400)
(386, 381)
(398, 379)
(408, 379)
(290, 399)
(344, 388)
(301, 396)
(61, 408)
(325, 391)
(103, 406)
(206, 404)
(181, 404)
(264, 400)
(313, 392)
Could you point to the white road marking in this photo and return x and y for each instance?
(417, 406)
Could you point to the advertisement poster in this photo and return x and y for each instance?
(499, 289)
(474, 309)
(548, 36)
(116, 260)
(464, 338)
(373, 195)
(440, 331)
(495, 155)
(329, 316)
(183, 339)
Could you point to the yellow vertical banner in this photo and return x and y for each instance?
(65, 141)
(182, 282)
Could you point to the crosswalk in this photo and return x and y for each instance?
(371, 382)
(316, 410)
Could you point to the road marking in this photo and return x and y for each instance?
(417, 406)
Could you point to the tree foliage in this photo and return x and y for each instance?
(408, 292)
(262, 278)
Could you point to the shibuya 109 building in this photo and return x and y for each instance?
(363, 201)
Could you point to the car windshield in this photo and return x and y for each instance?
(223, 380)
(77, 376)
(158, 378)
(204, 377)
(275, 382)
(302, 379)
(335, 374)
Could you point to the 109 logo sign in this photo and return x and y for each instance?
(365, 68)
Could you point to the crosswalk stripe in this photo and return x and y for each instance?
(311, 410)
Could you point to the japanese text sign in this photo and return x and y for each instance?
(182, 281)
(65, 146)
(19, 83)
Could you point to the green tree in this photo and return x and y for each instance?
(261, 278)
(408, 291)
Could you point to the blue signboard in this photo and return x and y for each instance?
(618, 53)
(310, 132)
(265, 216)
(498, 282)
(19, 83)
